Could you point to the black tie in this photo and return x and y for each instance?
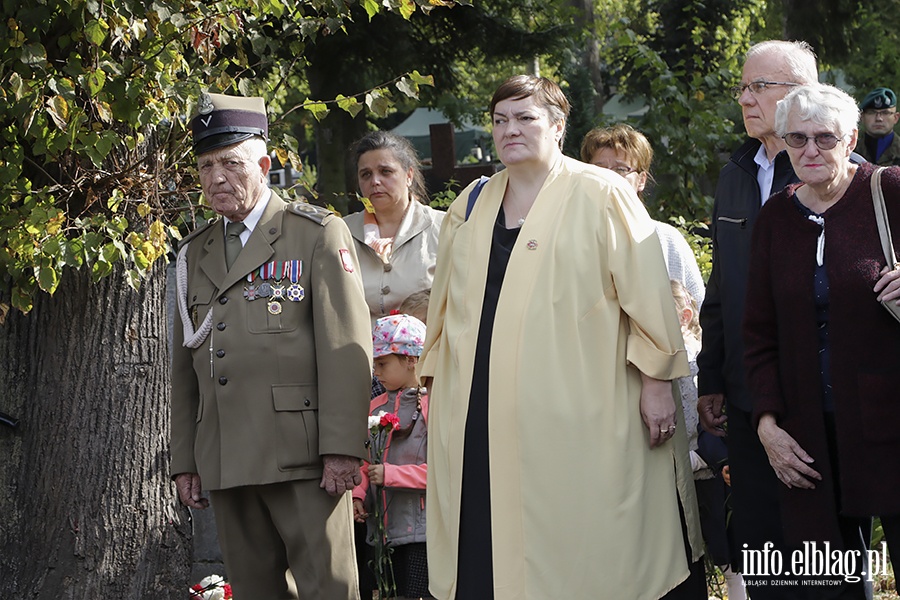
(233, 244)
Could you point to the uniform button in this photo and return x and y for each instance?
(223, 300)
(306, 402)
(273, 231)
(223, 380)
(388, 267)
(386, 290)
(221, 326)
(220, 353)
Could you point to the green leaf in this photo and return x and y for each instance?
(378, 104)
(318, 109)
(407, 8)
(95, 81)
(351, 105)
(33, 54)
(420, 79)
(95, 32)
(58, 109)
(372, 7)
(47, 278)
(408, 87)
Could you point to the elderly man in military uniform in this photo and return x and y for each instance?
(879, 115)
(271, 369)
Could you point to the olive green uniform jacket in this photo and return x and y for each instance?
(266, 395)
(891, 156)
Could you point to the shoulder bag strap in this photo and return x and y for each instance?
(473, 195)
(881, 218)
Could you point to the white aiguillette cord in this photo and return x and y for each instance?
(192, 339)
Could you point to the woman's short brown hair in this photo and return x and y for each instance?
(621, 138)
(547, 94)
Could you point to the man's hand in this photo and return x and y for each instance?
(712, 417)
(189, 488)
(341, 473)
(788, 459)
(657, 409)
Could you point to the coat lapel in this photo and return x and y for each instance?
(257, 250)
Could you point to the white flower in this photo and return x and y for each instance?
(374, 420)
(209, 588)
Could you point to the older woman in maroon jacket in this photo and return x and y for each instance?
(822, 355)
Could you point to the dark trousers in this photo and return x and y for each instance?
(756, 517)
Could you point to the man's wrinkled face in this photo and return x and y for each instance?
(233, 182)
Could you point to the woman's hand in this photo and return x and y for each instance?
(888, 287)
(788, 459)
(376, 474)
(359, 512)
(657, 409)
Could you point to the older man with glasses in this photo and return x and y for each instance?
(756, 170)
(879, 116)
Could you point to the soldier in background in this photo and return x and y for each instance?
(879, 116)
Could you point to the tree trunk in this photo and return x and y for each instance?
(87, 509)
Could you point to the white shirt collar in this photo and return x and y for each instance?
(765, 173)
(253, 218)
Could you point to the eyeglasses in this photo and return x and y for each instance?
(825, 141)
(884, 113)
(620, 169)
(756, 87)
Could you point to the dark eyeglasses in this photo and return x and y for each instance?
(825, 141)
(756, 87)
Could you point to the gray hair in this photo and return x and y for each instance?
(254, 148)
(799, 56)
(820, 103)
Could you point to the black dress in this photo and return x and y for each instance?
(475, 572)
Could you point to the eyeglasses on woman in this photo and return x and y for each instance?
(825, 141)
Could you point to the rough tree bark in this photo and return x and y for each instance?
(87, 510)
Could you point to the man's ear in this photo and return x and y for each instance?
(265, 164)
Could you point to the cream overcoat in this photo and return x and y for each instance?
(581, 506)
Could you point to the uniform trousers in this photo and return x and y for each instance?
(268, 533)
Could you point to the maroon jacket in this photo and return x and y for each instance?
(781, 352)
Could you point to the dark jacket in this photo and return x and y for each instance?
(782, 364)
(736, 206)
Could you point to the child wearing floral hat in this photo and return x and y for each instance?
(395, 476)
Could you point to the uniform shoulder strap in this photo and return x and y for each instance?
(314, 213)
(473, 195)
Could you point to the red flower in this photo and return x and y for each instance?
(390, 421)
(227, 588)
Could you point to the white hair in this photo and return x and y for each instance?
(798, 55)
(254, 148)
(820, 103)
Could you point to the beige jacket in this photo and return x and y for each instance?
(411, 267)
(581, 506)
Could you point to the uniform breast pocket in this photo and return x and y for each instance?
(296, 425)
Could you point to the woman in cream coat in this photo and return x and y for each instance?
(557, 461)
(397, 238)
